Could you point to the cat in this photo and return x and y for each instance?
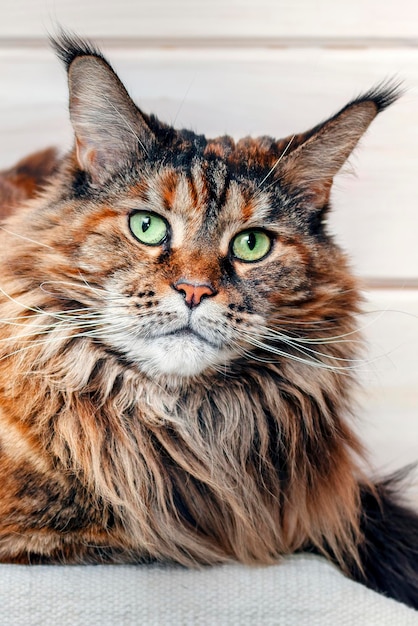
(179, 347)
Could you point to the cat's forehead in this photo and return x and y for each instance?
(206, 194)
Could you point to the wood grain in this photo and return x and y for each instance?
(273, 19)
(388, 406)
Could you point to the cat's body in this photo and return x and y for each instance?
(178, 347)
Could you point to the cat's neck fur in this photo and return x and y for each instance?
(274, 476)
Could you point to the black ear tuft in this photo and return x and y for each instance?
(383, 94)
(69, 46)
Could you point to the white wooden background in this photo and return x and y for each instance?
(263, 67)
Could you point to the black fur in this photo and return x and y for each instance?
(389, 552)
(68, 47)
(383, 95)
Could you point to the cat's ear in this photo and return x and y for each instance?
(317, 156)
(109, 129)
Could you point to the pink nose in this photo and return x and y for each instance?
(194, 292)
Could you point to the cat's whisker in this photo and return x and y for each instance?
(93, 325)
(308, 351)
(267, 333)
(36, 310)
(32, 331)
(272, 333)
(283, 154)
(289, 320)
(127, 124)
(26, 321)
(59, 315)
(50, 338)
(183, 100)
(38, 243)
(381, 311)
(37, 343)
(333, 339)
(32, 337)
(307, 361)
(357, 363)
(103, 296)
(21, 324)
(93, 287)
(250, 355)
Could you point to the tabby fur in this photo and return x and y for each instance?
(135, 426)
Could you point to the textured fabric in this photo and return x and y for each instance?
(302, 591)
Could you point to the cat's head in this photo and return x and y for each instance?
(186, 254)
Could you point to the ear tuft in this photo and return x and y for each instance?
(69, 46)
(383, 94)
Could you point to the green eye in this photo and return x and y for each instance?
(148, 228)
(251, 245)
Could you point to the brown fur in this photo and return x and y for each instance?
(104, 457)
(25, 179)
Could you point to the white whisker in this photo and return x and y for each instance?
(312, 361)
(304, 350)
(38, 243)
(184, 100)
(277, 162)
(125, 121)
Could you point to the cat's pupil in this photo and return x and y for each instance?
(251, 241)
(146, 223)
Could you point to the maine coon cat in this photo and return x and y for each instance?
(178, 349)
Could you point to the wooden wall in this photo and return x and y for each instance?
(263, 67)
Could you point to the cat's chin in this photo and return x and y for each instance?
(180, 356)
(176, 355)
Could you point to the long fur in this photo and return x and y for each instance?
(114, 450)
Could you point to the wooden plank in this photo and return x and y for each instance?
(256, 92)
(388, 407)
(194, 19)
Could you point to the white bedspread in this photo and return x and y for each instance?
(304, 590)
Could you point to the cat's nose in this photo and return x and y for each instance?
(194, 293)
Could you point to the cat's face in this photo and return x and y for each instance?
(183, 254)
(185, 265)
(186, 300)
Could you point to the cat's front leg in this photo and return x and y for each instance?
(50, 518)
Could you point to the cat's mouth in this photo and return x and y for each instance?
(189, 334)
(179, 352)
